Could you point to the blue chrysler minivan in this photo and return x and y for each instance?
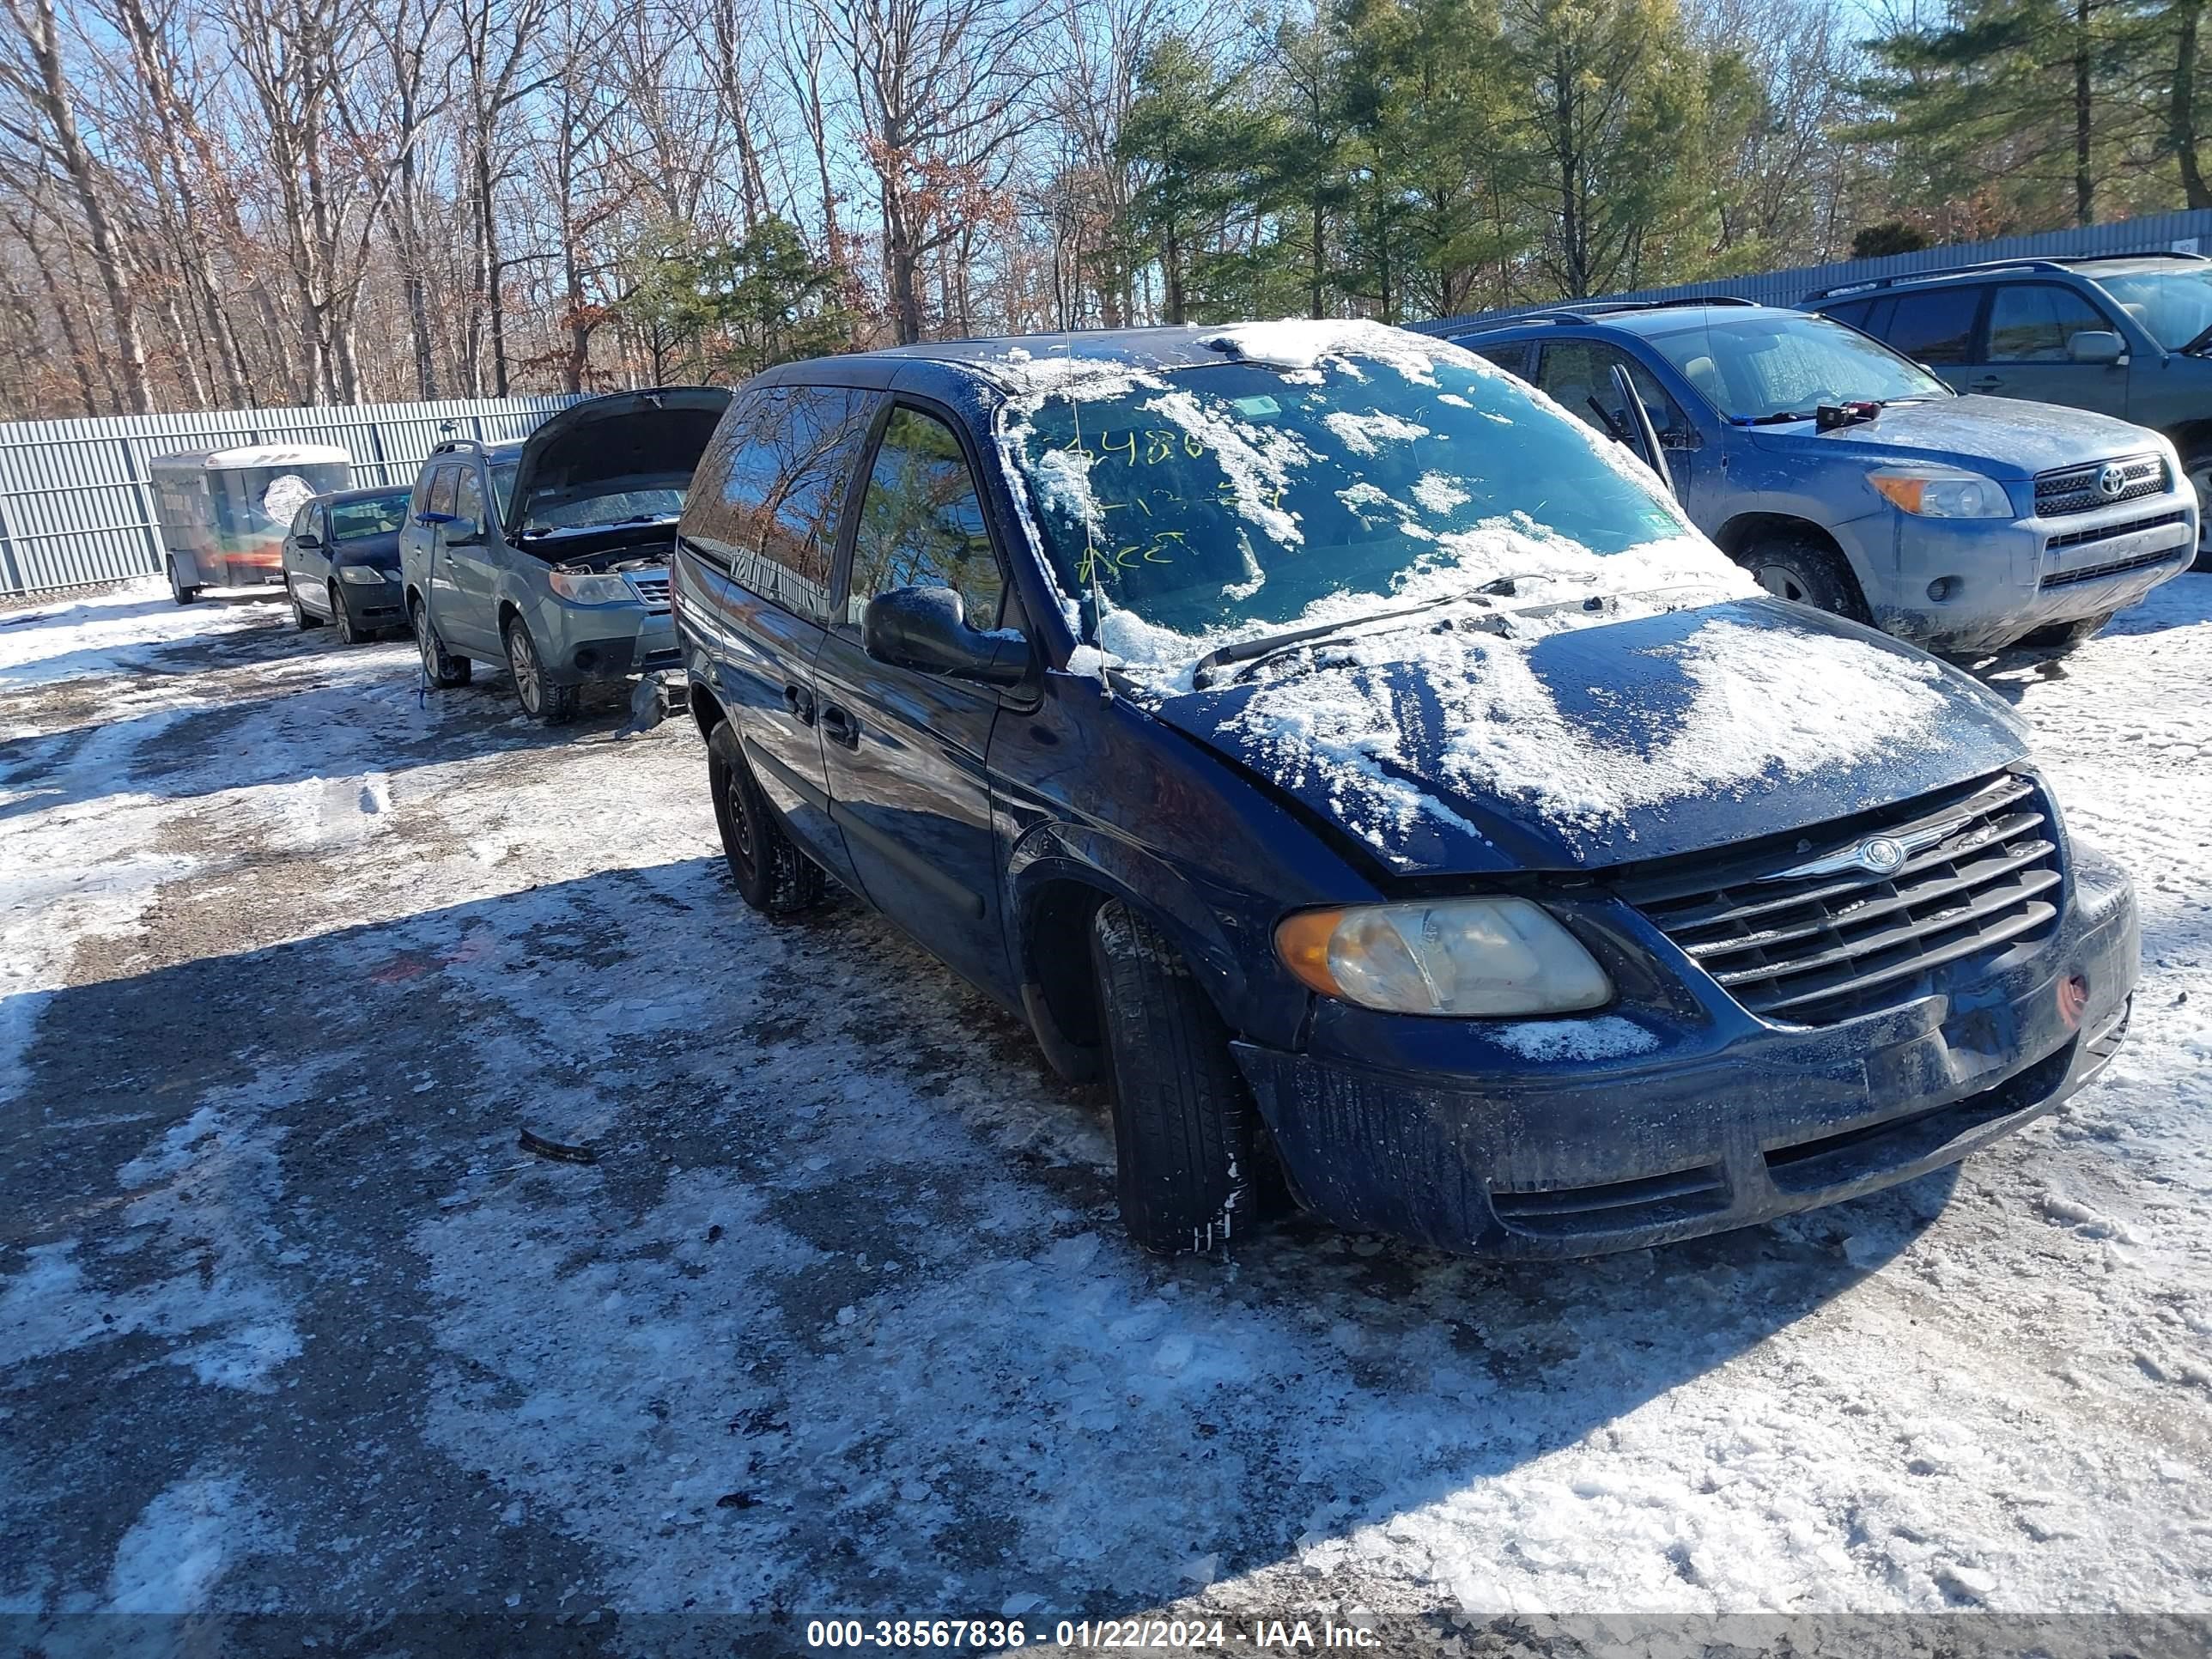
(1369, 772)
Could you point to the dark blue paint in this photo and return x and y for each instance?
(973, 817)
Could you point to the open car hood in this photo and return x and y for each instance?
(660, 431)
(1437, 752)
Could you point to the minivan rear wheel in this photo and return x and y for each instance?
(772, 875)
(1794, 566)
(1194, 1168)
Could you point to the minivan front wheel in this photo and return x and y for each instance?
(541, 699)
(772, 875)
(1193, 1165)
(439, 666)
(1796, 566)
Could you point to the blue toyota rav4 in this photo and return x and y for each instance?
(1368, 772)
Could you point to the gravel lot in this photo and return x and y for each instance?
(841, 1319)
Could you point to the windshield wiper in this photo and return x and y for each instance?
(2198, 344)
(1771, 420)
(1251, 652)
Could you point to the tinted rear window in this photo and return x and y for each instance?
(1934, 327)
(766, 495)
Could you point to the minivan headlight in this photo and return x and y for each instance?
(587, 588)
(1464, 956)
(1941, 492)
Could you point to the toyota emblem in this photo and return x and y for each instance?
(2112, 479)
(1881, 856)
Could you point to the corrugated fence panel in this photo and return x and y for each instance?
(75, 508)
(2189, 232)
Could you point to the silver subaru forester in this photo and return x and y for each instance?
(550, 555)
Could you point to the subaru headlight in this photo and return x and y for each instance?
(361, 575)
(1465, 956)
(587, 588)
(1941, 492)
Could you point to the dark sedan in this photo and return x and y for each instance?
(342, 561)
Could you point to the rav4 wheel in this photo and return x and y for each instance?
(2197, 466)
(1794, 566)
(775, 877)
(440, 666)
(543, 701)
(1194, 1168)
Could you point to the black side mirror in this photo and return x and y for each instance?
(926, 629)
(306, 541)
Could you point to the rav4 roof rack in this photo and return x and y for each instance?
(2024, 262)
(1581, 311)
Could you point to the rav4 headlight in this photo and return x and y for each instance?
(588, 587)
(1941, 492)
(1465, 956)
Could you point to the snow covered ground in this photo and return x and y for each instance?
(841, 1319)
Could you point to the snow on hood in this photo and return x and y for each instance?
(1443, 750)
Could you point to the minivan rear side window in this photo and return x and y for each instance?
(765, 498)
(1934, 327)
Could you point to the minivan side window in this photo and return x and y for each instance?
(1934, 327)
(766, 495)
(921, 523)
(2034, 322)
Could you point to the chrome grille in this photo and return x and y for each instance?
(2075, 488)
(1811, 950)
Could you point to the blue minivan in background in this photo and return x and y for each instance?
(1373, 776)
(1963, 524)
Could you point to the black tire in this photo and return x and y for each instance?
(2060, 638)
(178, 590)
(774, 876)
(441, 667)
(542, 701)
(348, 633)
(2197, 467)
(1194, 1168)
(1792, 565)
(303, 618)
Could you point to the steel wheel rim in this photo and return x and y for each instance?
(1782, 581)
(2201, 479)
(524, 661)
(741, 822)
(424, 644)
(338, 616)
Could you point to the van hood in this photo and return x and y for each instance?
(2001, 437)
(1435, 751)
(660, 431)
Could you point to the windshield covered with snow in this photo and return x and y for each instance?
(2174, 306)
(1784, 367)
(1228, 499)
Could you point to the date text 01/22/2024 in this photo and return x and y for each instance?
(986, 1635)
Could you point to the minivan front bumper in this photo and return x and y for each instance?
(1580, 1159)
